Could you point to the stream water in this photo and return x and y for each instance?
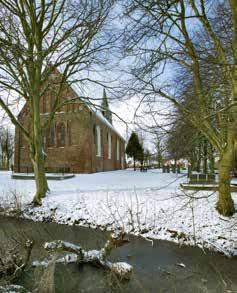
(156, 267)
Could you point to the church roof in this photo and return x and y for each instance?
(97, 112)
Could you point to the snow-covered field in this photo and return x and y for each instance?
(150, 204)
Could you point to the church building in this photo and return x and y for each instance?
(81, 139)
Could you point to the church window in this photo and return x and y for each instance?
(118, 150)
(69, 133)
(61, 135)
(109, 146)
(50, 136)
(98, 141)
(94, 134)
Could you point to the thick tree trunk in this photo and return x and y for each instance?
(40, 181)
(38, 159)
(211, 160)
(225, 204)
(8, 163)
(159, 164)
(134, 164)
(40, 177)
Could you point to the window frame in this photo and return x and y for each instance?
(109, 146)
(118, 150)
(59, 135)
(50, 136)
(98, 141)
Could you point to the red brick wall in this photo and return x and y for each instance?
(79, 153)
(103, 163)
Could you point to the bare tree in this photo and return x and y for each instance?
(163, 35)
(6, 147)
(45, 46)
(185, 142)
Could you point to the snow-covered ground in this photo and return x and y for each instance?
(150, 204)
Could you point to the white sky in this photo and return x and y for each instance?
(125, 108)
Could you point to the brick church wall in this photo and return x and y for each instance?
(78, 155)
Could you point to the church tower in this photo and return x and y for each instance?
(105, 107)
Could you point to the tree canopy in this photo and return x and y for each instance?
(134, 147)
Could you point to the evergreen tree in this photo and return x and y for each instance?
(134, 148)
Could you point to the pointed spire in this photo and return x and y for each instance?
(105, 107)
(105, 97)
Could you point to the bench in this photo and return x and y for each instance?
(202, 178)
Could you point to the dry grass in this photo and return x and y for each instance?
(11, 202)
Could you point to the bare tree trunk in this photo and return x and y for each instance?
(192, 164)
(38, 159)
(159, 164)
(205, 169)
(199, 157)
(7, 150)
(40, 177)
(8, 163)
(134, 164)
(225, 204)
(211, 159)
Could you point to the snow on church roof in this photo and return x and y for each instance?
(90, 106)
(96, 111)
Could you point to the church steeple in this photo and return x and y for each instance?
(105, 107)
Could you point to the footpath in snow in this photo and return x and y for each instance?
(149, 204)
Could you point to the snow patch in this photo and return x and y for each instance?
(150, 204)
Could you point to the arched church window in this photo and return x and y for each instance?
(61, 135)
(50, 137)
(98, 141)
(69, 133)
(94, 134)
(109, 145)
(118, 150)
